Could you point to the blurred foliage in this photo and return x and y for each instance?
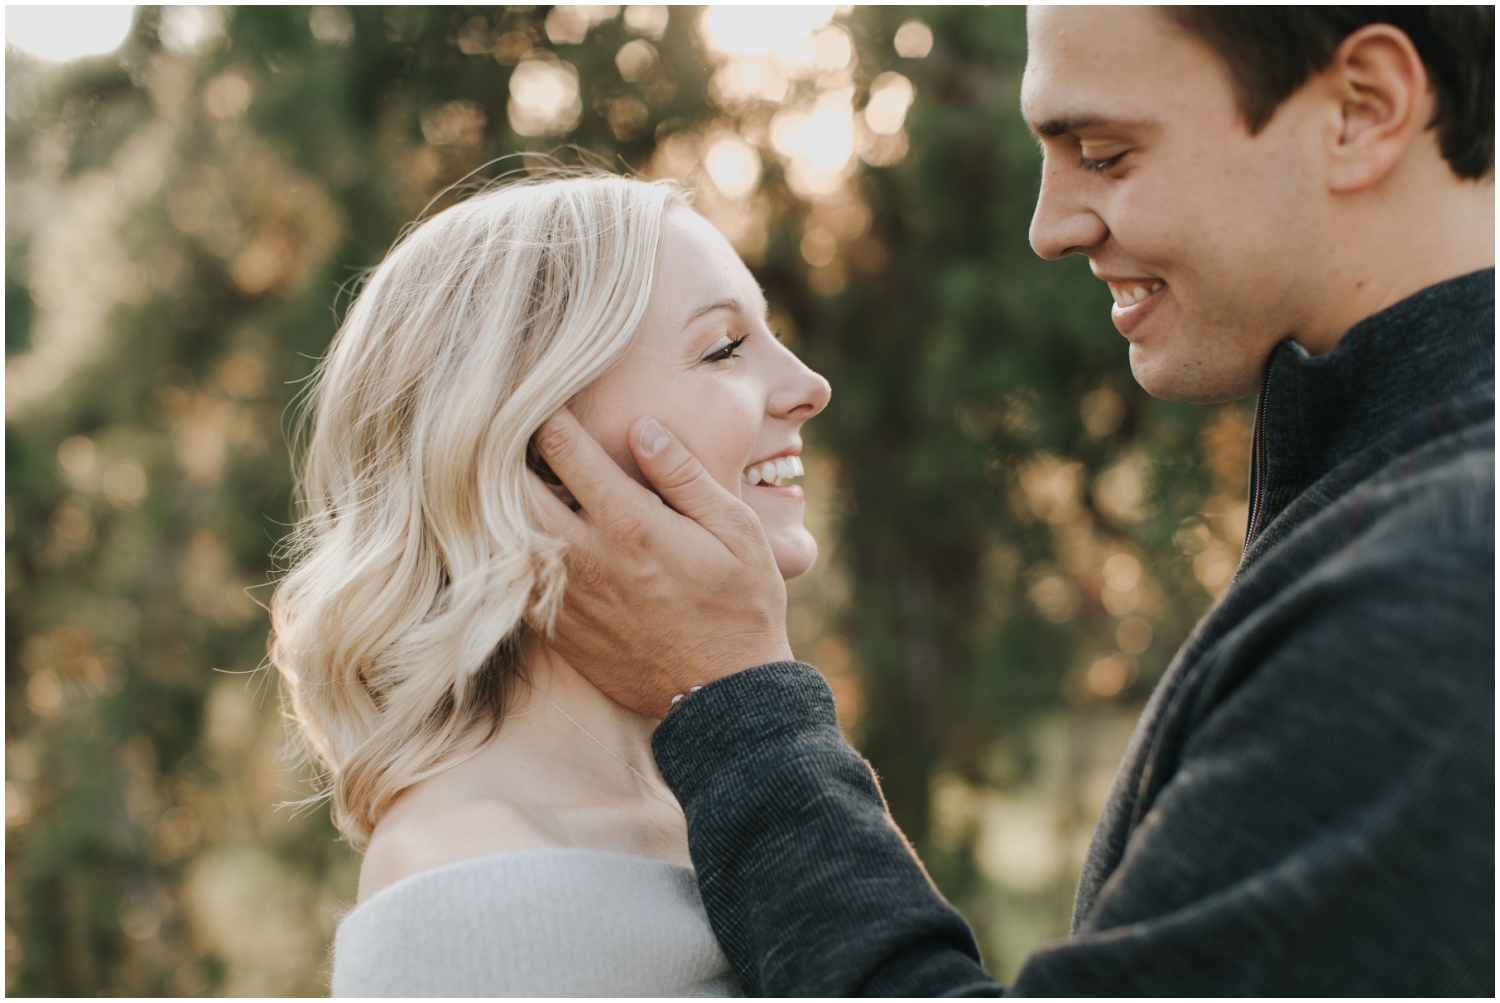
(1016, 538)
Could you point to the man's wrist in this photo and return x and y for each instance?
(754, 715)
(770, 654)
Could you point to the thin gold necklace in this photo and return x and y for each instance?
(623, 762)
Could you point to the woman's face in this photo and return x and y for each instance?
(705, 364)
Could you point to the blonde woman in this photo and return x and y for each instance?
(518, 838)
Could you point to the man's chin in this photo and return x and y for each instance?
(1188, 380)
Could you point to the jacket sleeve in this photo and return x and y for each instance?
(811, 888)
(1322, 823)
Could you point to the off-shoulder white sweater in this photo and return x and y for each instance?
(554, 922)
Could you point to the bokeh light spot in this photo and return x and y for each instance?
(647, 19)
(1102, 411)
(458, 123)
(569, 24)
(733, 165)
(44, 693)
(1134, 635)
(227, 96)
(890, 95)
(76, 455)
(187, 28)
(634, 59)
(544, 97)
(819, 247)
(125, 484)
(913, 40)
(331, 25)
(17, 805)
(1108, 676)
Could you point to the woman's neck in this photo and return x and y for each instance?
(555, 698)
(567, 767)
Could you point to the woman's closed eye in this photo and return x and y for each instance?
(727, 352)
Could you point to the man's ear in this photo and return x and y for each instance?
(1385, 104)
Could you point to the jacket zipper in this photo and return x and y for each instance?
(1257, 462)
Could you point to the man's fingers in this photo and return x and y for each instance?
(554, 515)
(585, 469)
(686, 486)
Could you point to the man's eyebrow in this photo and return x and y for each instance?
(1054, 127)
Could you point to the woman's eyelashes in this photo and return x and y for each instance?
(727, 352)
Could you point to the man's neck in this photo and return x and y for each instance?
(1429, 226)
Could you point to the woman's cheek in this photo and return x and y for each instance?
(723, 455)
(722, 433)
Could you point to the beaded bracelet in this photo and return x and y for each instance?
(678, 698)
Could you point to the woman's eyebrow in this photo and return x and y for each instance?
(729, 304)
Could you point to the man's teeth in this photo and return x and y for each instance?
(771, 471)
(1131, 295)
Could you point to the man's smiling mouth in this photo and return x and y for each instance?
(1132, 291)
(772, 472)
(1136, 299)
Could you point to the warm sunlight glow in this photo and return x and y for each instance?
(818, 145)
(58, 34)
(745, 31)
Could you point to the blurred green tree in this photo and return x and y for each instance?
(1020, 537)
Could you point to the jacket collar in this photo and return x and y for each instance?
(1316, 412)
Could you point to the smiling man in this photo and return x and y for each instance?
(1289, 202)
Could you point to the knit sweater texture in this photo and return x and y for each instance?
(1307, 804)
(548, 922)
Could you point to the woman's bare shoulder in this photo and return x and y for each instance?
(419, 834)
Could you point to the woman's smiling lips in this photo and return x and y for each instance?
(1135, 298)
(768, 474)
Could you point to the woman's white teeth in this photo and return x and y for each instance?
(771, 471)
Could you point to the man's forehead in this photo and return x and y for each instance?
(1093, 65)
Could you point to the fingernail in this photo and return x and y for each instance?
(653, 437)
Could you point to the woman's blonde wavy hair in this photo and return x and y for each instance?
(415, 559)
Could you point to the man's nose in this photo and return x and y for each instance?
(1064, 223)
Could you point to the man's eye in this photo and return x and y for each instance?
(727, 352)
(1099, 166)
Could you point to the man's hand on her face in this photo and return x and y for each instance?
(664, 593)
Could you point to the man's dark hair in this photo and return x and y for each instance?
(1272, 51)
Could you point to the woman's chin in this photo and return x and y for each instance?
(795, 551)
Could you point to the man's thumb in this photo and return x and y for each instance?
(679, 478)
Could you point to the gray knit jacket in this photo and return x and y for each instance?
(1307, 805)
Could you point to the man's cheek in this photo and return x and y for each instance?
(1148, 224)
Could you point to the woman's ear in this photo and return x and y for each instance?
(1384, 105)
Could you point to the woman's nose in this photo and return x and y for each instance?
(802, 394)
